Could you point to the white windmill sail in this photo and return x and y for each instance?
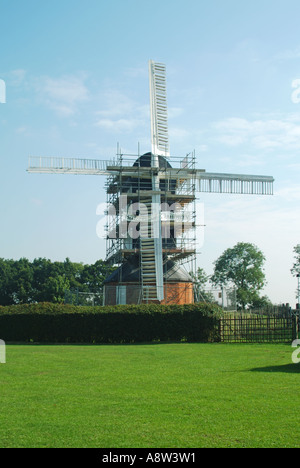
(151, 249)
(159, 110)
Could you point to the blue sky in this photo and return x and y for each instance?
(76, 75)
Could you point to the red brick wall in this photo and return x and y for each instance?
(176, 293)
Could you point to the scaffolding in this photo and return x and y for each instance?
(130, 192)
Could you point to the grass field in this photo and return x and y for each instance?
(152, 396)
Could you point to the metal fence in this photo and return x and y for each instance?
(224, 297)
(258, 329)
(79, 298)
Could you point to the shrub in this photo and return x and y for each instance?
(58, 323)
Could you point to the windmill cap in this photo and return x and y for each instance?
(146, 159)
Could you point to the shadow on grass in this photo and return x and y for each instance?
(286, 369)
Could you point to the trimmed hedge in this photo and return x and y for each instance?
(58, 323)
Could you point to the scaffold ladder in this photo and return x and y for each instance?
(148, 255)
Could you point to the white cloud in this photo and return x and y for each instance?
(114, 104)
(118, 125)
(289, 193)
(17, 77)
(136, 72)
(174, 112)
(36, 201)
(288, 54)
(178, 134)
(64, 94)
(244, 161)
(120, 113)
(268, 134)
(23, 130)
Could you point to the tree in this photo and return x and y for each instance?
(21, 281)
(54, 289)
(263, 302)
(241, 266)
(6, 278)
(72, 271)
(42, 269)
(93, 276)
(296, 267)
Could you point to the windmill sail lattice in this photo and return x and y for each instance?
(158, 108)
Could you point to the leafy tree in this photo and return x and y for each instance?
(261, 303)
(21, 281)
(6, 277)
(54, 289)
(241, 266)
(296, 267)
(50, 277)
(93, 277)
(42, 270)
(72, 271)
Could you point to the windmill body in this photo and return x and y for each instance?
(151, 223)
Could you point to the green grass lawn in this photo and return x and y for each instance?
(152, 396)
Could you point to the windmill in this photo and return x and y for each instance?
(149, 237)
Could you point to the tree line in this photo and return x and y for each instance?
(240, 267)
(25, 282)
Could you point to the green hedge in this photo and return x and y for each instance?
(57, 323)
